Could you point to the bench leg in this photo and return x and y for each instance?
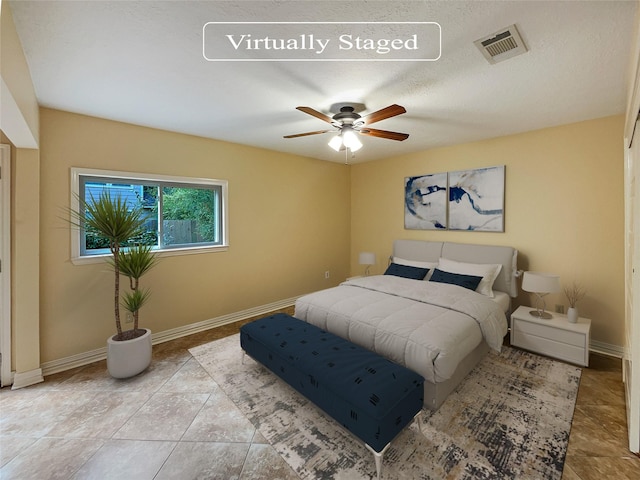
(417, 420)
(378, 455)
(378, 458)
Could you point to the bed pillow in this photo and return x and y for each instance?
(416, 263)
(467, 281)
(407, 271)
(488, 271)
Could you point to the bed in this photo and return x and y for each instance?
(419, 315)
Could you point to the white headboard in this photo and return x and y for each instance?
(426, 251)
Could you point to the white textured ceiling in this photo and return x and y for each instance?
(142, 63)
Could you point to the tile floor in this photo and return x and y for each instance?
(173, 423)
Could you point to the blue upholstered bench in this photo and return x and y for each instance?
(369, 395)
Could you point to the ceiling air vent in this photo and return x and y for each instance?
(501, 45)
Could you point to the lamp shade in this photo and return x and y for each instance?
(336, 143)
(538, 282)
(350, 139)
(367, 258)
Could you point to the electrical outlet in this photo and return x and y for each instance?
(326, 274)
(129, 318)
(559, 308)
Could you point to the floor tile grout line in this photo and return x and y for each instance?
(88, 459)
(194, 417)
(155, 475)
(246, 456)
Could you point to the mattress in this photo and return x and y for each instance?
(503, 300)
(426, 326)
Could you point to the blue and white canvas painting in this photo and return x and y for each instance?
(425, 202)
(476, 200)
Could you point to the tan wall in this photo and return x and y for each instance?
(289, 222)
(564, 209)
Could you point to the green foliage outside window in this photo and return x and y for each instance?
(196, 205)
(188, 214)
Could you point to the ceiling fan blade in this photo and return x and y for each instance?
(307, 133)
(384, 134)
(315, 113)
(387, 112)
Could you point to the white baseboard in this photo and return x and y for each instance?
(25, 379)
(74, 361)
(606, 349)
(168, 335)
(98, 354)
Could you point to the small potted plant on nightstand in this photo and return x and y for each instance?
(574, 293)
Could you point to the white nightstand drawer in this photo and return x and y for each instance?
(558, 334)
(563, 351)
(556, 337)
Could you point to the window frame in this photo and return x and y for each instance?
(78, 258)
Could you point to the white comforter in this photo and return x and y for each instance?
(428, 327)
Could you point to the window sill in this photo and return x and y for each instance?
(90, 259)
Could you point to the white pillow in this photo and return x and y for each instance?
(415, 263)
(488, 272)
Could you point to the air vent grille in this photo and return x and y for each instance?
(501, 45)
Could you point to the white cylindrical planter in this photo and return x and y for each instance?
(128, 358)
(572, 315)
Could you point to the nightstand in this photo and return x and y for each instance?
(555, 337)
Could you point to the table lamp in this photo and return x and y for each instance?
(368, 259)
(540, 284)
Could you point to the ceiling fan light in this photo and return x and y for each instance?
(355, 146)
(351, 140)
(336, 143)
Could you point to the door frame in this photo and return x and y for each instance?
(631, 359)
(6, 376)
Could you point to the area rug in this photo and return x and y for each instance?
(509, 419)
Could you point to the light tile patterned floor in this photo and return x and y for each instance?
(173, 422)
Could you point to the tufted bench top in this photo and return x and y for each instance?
(369, 395)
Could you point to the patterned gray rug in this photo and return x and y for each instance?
(510, 418)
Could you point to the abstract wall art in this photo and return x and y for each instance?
(470, 200)
(425, 202)
(476, 200)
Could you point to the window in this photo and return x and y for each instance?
(183, 215)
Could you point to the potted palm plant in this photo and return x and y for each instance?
(119, 223)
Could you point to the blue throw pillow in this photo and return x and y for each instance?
(414, 273)
(467, 281)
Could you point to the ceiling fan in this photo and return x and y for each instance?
(348, 122)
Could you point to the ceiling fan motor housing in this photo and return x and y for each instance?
(346, 116)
